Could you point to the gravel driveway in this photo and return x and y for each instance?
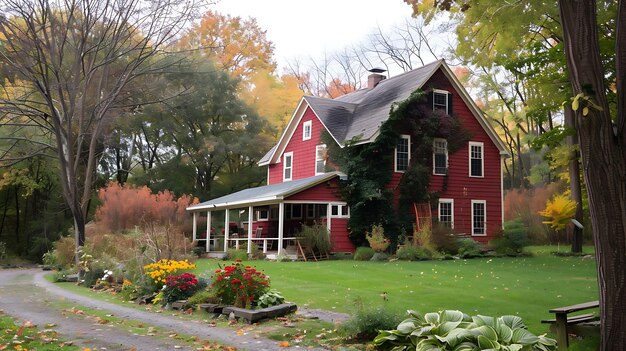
(26, 295)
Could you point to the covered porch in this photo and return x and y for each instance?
(271, 216)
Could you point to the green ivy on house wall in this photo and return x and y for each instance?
(370, 167)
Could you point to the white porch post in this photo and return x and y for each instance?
(194, 236)
(250, 219)
(226, 228)
(281, 218)
(328, 217)
(208, 231)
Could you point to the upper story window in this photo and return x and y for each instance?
(403, 153)
(479, 217)
(476, 156)
(446, 212)
(287, 166)
(440, 156)
(320, 159)
(442, 100)
(307, 128)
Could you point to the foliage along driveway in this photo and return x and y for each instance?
(26, 295)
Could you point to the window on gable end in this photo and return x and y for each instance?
(320, 159)
(440, 156)
(403, 153)
(476, 159)
(442, 100)
(287, 166)
(307, 128)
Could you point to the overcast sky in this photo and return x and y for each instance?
(302, 29)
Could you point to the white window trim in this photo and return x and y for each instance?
(395, 154)
(484, 202)
(263, 219)
(447, 201)
(469, 158)
(316, 159)
(306, 124)
(434, 168)
(287, 154)
(339, 211)
(439, 91)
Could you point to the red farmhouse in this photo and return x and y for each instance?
(300, 191)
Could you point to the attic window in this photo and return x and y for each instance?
(442, 100)
(306, 130)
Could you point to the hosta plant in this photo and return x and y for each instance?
(271, 298)
(454, 330)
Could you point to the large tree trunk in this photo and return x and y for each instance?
(603, 153)
(574, 181)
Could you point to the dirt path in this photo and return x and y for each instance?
(26, 295)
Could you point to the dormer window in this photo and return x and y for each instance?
(442, 100)
(306, 130)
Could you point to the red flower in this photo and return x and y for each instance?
(237, 261)
(242, 287)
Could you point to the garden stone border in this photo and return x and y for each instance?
(252, 316)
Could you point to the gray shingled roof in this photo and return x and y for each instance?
(361, 113)
(263, 194)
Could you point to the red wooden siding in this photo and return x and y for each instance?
(460, 186)
(303, 151)
(339, 235)
(327, 191)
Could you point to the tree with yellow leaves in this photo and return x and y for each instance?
(559, 211)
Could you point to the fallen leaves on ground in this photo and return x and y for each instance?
(284, 344)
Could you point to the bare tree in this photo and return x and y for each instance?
(402, 48)
(74, 61)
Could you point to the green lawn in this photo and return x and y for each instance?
(526, 286)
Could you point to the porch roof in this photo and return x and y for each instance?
(263, 195)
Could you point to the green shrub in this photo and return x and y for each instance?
(366, 323)
(91, 276)
(315, 238)
(454, 330)
(444, 239)
(469, 248)
(271, 298)
(413, 253)
(513, 239)
(203, 296)
(363, 253)
(234, 254)
(198, 251)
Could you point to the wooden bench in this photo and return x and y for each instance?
(562, 321)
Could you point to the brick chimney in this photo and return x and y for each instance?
(375, 78)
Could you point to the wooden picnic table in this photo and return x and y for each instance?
(561, 320)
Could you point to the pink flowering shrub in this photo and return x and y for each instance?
(239, 285)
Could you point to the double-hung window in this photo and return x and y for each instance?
(446, 212)
(442, 100)
(479, 217)
(403, 153)
(306, 130)
(476, 156)
(320, 159)
(440, 156)
(288, 166)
